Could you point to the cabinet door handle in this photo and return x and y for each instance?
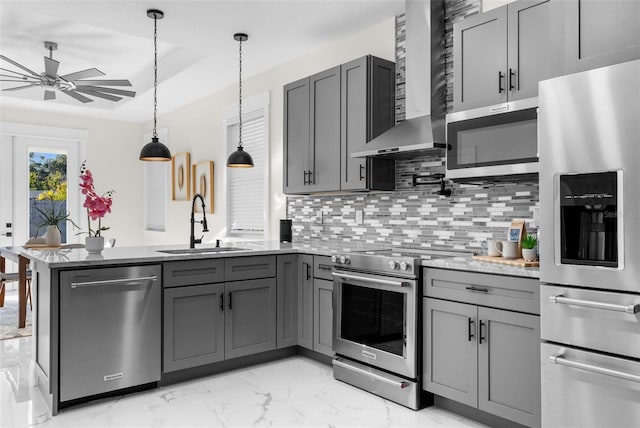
(230, 306)
(478, 289)
(500, 77)
(361, 172)
(222, 302)
(480, 336)
(311, 181)
(305, 178)
(307, 271)
(471, 328)
(511, 79)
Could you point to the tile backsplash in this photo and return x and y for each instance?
(415, 216)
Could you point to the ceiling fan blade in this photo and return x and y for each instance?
(49, 95)
(51, 67)
(25, 76)
(33, 73)
(17, 88)
(33, 82)
(84, 74)
(98, 94)
(109, 90)
(102, 82)
(18, 79)
(77, 96)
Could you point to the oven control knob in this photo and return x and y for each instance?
(405, 266)
(334, 259)
(344, 260)
(393, 264)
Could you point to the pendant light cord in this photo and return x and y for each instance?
(155, 75)
(240, 99)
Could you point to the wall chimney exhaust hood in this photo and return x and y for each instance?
(424, 129)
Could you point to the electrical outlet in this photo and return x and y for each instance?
(319, 218)
(536, 217)
(359, 217)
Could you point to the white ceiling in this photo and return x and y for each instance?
(197, 53)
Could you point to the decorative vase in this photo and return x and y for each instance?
(52, 238)
(94, 244)
(529, 254)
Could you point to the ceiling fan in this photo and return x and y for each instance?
(72, 84)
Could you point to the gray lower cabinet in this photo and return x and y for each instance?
(287, 301)
(193, 326)
(483, 357)
(305, 301)
(598, 33)
(250, 317)
(323, 316)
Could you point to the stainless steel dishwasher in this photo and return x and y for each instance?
(110, 329)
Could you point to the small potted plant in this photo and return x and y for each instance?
(97, 207)
(51, 215)
(529, 243)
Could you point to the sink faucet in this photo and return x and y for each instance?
(192, 239)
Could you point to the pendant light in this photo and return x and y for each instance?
(240, 158)
(155, 150)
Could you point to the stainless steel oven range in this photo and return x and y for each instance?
(377, 322)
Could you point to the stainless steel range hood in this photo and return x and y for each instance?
(424, 129)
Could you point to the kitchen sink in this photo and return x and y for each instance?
(202, 250)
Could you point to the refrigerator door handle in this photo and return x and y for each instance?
(561, 360)
(629, 309)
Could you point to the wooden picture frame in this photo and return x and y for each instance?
(181, 177)
(517, 231)
(202, 179)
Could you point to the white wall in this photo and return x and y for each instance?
(114, 146)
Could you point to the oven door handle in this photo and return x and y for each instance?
(338, 362)
(629, 309)
(562, 361)
(370, 279)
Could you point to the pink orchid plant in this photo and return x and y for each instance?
(97, 205)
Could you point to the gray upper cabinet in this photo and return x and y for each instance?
(305, 301)
(323, 316)
(368, 109)
(287, 303)
(296, 136)
(193, 326)
(480, 60)
(250, 317)
(598, 33)
(500, 55)
(509, 365)
(328, 116)
(323, 173)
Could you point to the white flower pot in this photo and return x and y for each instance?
(52, 238)
(529, 254)
(94, 244)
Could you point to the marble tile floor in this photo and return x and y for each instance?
(293, 392)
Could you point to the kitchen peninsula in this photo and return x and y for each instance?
(156, 308)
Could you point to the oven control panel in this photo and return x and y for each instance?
(341, 260)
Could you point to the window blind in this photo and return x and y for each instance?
(245, 186)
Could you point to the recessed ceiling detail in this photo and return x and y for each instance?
(73, 84)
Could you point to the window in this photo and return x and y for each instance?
(247, 188)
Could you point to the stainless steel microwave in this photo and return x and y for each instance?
(495, 141)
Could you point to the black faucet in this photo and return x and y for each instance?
(192, 239)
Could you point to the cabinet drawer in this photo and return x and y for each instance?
(193, 272)
(322, 267)
(498, 291)
(240, 268)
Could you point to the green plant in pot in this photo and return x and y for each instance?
(529, 243)
(51, 216)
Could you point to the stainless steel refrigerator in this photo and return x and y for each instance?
(589, 144)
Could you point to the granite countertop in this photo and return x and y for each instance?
(67, 257)
(470, 265)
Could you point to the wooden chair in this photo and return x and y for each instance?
(13, 277)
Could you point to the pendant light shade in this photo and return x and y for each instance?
(240, 158)
(155, 150)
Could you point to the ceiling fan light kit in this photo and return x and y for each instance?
(155, 150)
(72, 84)
(240, 158)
